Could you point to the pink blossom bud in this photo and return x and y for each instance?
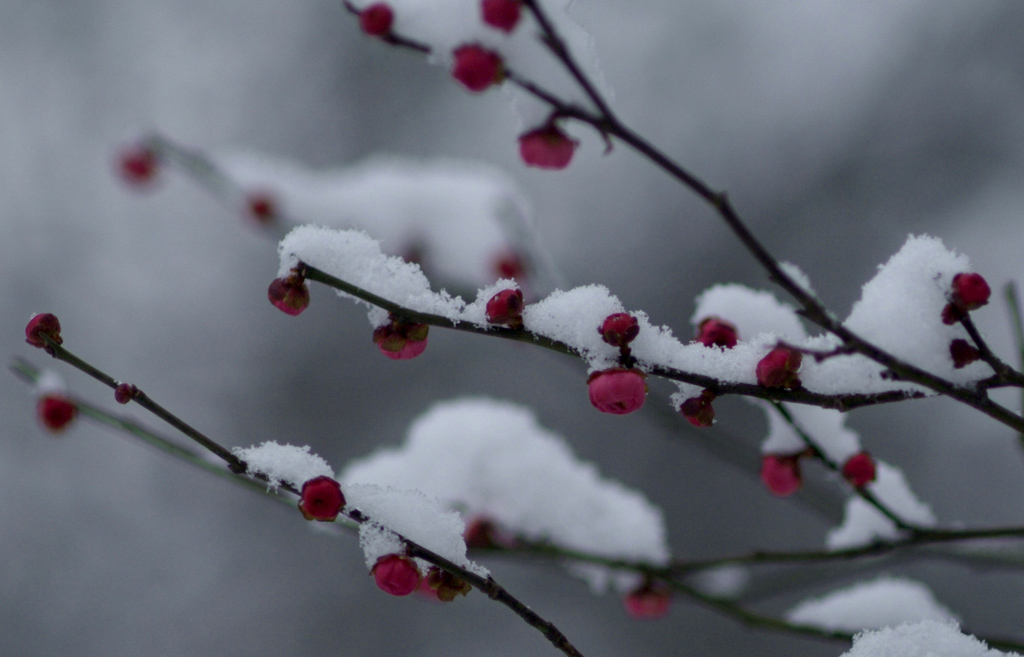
(617, 390)
(501, 14)
(781, 474)
(124, 393)
(547, 148)
(261, 206)
(289, 295)
(779, 368)
(698, 409)
(55, 412)
(376, 19)
(650, 601)
(506, 307)
(969, 291)
(401, 340)
(715, 332)
(396, 574)
(138, 165)
(963, 353)
(859, 469)
(476, 67)
(43, 324)
(321, 499)
(619, 329)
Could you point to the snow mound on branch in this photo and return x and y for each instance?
(459, 217)
(283, 463)
(826, 428)
(413, 515)
(927, 638)
(864, 524)
(884, 602)
(752, 312)
(492, 460)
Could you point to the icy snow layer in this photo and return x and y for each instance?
(863, 523)
(283, 463)
(414, 516)
(459, 216)
(444, 25)
(491, 459)
(884, 602)
(927, 638)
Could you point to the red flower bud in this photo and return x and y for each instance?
(321, 499)
(698, 409)
(376, 19)
(547, 148)
(124, 393)
(396, 574)
(506, 307)
(617, 390)
(509, 264)
(477, 68)
(261, 206)
(714, 332)
(43, 324)
(781, 474)
(289, 295)
(138, 165)
(400, 340)
(55, 412)
(619, 329)
(649, 601)
(963, 353)
(779, 368)
(969, 291)
(859, 469)
(951, 314)
(501, 14)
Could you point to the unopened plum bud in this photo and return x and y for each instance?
(501, 14)
(650, 601)
(124, 393)
(289, 295)
(506, 307)
(962, 353)
(43, 324)
(779, 368)
(547, 148)
(715, 332)
(951, 314)
(138, 165)
(261, 206)
(401, 340)
(321, 499)
(376, 19)
(476, 67)
(55, 412)
(698, 410)
(396, 574)
(859, 469)
(617, 390)
(969, 291)
(619, 329)
(781, 473)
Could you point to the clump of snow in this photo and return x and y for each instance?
(356, 258)
(752, 312)
(864, 524)
(413, 515)
(900, 309)
(493, 460)
(377, 541)
(50, 383)
(826, 428)
(283, 463)
(798, 276)
(459, 217)
(927, 638)
(873, 605)
(726, 581)
(574, 318)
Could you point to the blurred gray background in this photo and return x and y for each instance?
(838, 127)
